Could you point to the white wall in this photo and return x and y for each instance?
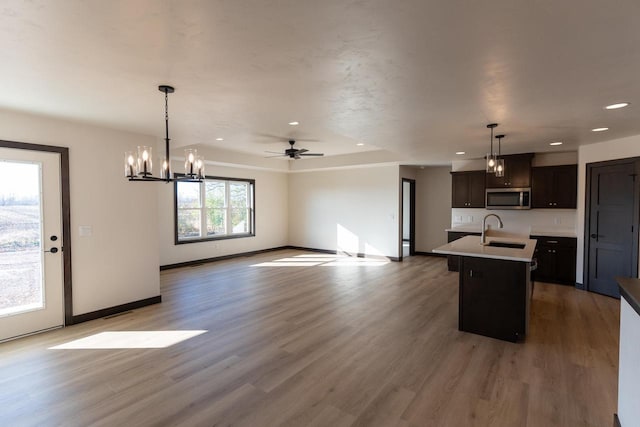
(119, 262)
(353, 210)
(609, 150)
(271, 193)
(433, 207)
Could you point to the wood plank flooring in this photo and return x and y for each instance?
(294, 339)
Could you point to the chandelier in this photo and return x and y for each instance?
(138, 165)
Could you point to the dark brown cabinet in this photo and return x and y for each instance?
(556, 257)
(494, 297)
(554, 187)
(453, 260)
(517, 172)
(467, 189)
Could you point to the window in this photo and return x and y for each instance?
(217, 208)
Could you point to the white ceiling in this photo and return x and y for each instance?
(417, 78)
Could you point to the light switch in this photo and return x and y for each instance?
(85, 230)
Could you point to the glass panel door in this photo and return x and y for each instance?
(31, 275)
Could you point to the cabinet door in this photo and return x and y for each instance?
(476, 189)
(566, 265)
(518, 170)
(493, 297)
(566, 186)
(492, 181)
(459, 190)
(542, 188)
(546, 258)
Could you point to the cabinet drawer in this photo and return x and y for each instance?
(566, 242)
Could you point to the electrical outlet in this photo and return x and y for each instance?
(556, 221)
(457, 218)
(469, 218)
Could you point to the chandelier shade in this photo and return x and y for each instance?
(499, 159)
(491, 156)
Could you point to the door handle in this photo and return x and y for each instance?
(53, 250)
(594, 236)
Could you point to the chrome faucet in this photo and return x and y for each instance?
(484, 227)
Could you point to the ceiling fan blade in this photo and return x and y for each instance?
(312, 154)
(275, 152)
(277, 155)
(302, 150)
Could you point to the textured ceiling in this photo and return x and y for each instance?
(417, 78)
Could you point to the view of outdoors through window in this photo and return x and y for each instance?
(214, 208)
(20, 237)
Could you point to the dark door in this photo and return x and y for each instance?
(408, 209)
(611, 228)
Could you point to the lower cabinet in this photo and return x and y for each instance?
(556, 258)
(494, 297)
(453, 260)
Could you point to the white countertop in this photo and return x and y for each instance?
(534, 231)
(470, 246)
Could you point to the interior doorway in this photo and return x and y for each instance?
(35, 263)
(408, 224)
(611, 224)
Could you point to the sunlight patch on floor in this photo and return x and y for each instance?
(129, 339)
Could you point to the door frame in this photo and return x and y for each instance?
(66, 217)
(412, 215)
(587, 215)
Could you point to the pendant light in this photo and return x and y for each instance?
(491, 157)
(499, 160)
(138, 165)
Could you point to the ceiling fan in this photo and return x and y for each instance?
(295, 153)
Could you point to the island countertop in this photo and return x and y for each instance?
(470, 246)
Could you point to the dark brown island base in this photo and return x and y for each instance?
(495, 285)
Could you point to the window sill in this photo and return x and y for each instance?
(214, 238)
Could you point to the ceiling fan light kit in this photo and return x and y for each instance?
(138, 165)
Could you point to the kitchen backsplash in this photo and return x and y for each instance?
(547, 219)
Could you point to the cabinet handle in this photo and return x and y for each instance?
(552, 241)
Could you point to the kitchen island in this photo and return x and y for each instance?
(495, 285)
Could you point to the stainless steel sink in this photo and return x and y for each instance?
(506, 245)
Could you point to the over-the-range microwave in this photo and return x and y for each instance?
(508, 198)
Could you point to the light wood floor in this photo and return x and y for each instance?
(322, 345)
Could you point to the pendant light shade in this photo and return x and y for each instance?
(138, 165)
(499, 160)
(491, 156)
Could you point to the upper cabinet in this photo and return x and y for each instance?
(517, 172)
(554, 187)
(467, 189)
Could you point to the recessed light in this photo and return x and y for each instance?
(616, 106)
(219, 139)
(460, 152)
(599, 129)
(294, 123)
(360, 144)
(556, 143)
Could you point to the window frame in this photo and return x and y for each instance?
(203, 210)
